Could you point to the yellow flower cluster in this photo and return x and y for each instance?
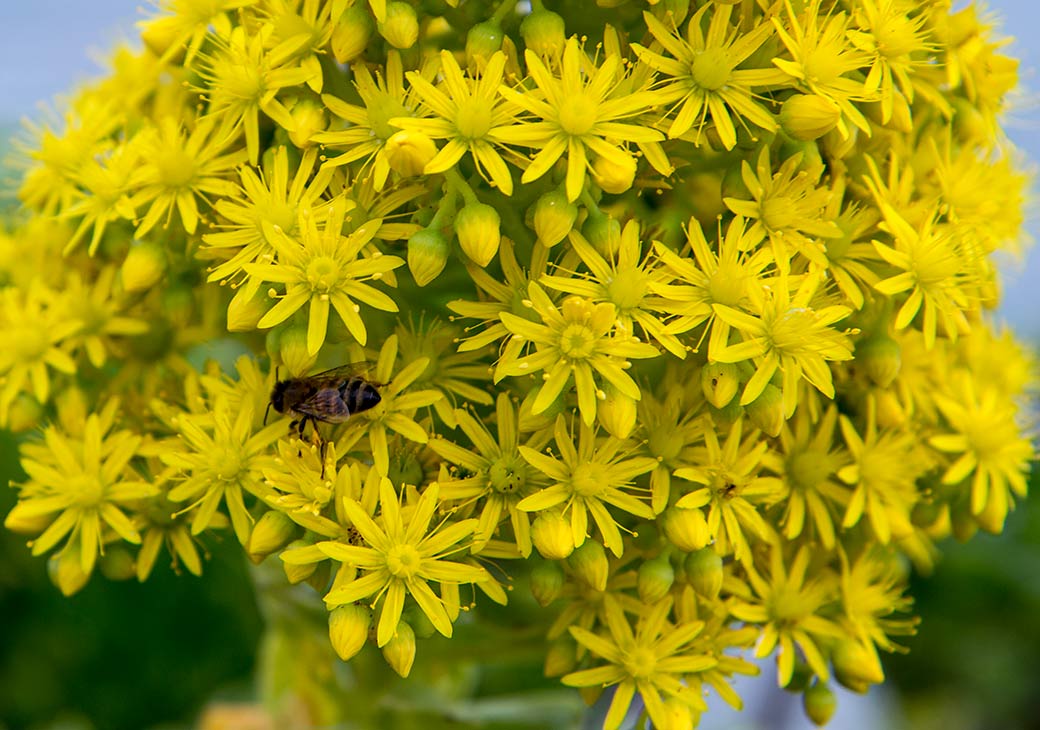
(680, 321)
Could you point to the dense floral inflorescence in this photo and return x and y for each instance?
(677, 310)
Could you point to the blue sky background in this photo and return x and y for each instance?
(49, 45)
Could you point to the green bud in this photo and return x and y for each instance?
(543, 32)
(612, 176)
(400, 28)
(482, 40)
(308, 119)
(685, 528)
(809, 116)
(292, 350)
(655, 579)
(678, 715)
(24, 521)
(319, 579)
(178, 304)
(856, 665)
(820, 703)
(23, 414)
(616, 413)
(409, 152)
(675, 11)
(880, 358)
(547, 580)
(348, 629)
(273, 531)
(604, 233)
(421, 625)
(801, 676)
(117, 563)
(561, 657)
(554, 217)
(766, 412)
(246, 309)
(720, 382)
(352, 33)
(298, 573)
(704, 571)
(589, 562)
(727, 415)
(66, 570)
(144, 266)
(478, 227)
(427, 255)
(399, 652)
(963, 523)
(552, 536)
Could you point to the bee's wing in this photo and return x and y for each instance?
(346, 372)
(325, 404)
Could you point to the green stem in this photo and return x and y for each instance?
(458, 184)
(504, 8)
(446, 208)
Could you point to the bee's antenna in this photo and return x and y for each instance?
(267, 411)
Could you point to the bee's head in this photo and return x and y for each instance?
(278, 395)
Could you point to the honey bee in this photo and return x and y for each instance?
(330, 397)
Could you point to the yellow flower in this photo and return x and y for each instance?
(466, 113)
(588, 475)
(184, 24)
(179, 166)
(704, 76)
(789, 335)
(651, 661)
(320, 266)
(79, 487)
(401, 556)
(574, 341)
(576, 114)
(787, 606)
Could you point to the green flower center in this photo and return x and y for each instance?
(578, 114)
(778, 212)
(577, 341)
(229, 464)
(27, 344)
(240, 81)
(381, 110)
(807, 469)
(589, 479)
(473, 119)
(176, 168)
(711, 69)
(278, 213)
(403, 561)
(323, 273)
(640, 662)
(88, 489)
(627, 289)
(506, 476)
(666, 443)
(726, 285)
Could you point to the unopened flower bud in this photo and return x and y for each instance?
(589, 563)
(352, 33)
(614, 176)
(704, 571)
(547, 580)
(478, 227)
(554, 217)
(809, 116)
(348, 629)
(144, 266)
(66, 570)
(655, 578)
(616, 412)
(482, 40)
(273, 531)
(408, 152)
(766, 411)
(685, 528)
(678, 715)
(298, 572)
(399, 652)
(117, 563)
(292, 349)
(856, 665)
(23, 414)
(319, 579)
(22, 520)
(604, 233)
(820, 703)
(726, 416)
(543, 32)
(246, 309)
(160, 35)
(308, 119)
(880, 358)
(427, 255)
(720, 382)
(178, 304)
(962, 523)
(552, 536)
(561, 657)
(400, 28)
